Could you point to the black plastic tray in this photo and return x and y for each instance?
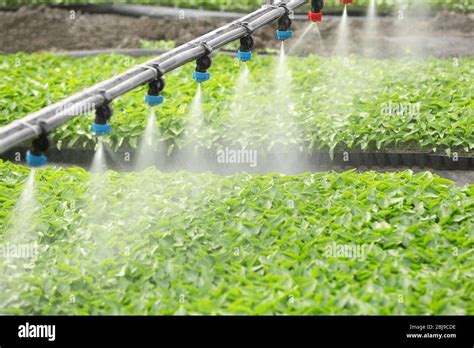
(267, 162)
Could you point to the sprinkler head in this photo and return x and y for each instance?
(34, 160)
(36, 156)
(284, 33)
(102, 117)
(315, 16)
(200, 77)
(200, 74)
(101, 129)
(244, 56)
(154, 100)
(316, 12)
(153, 97)
(244, 53)
(346, 1)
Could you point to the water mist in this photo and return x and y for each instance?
(342, 43)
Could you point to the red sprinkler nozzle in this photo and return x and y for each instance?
(346, 2)
(315, 16)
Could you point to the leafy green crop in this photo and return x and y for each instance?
(338, 104)
(385, 6)
(154, 243)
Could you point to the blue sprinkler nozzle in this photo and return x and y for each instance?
(283, 35)
(35, 160)
(101, 129)
(154, 100)
(244, 56)
(201, 76)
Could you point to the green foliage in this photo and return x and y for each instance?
(338, 104)
(385, 6)
(154, 243)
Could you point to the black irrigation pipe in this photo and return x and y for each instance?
(100, 95)
(270, 160)
(141, 52)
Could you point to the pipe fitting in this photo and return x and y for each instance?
(317, 5)
(207, 47)
(35, 157)
(246, 43)
(345, 2)
(153, 97)
(202, 65)
(316, 12)
(244, 53)
(287, 10)
(284, 23)
(103, 114)
(246, 26)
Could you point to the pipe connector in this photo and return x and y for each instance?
(284, 23)
(103, 114)
(155, 87)
(35, 157)
(203, 64)
(244, 53)
(246, 26)
(345, 2)
(316, 13)
(207, 47)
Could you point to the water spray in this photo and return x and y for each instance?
(21, 226)
(99, 164)
(284, 23)
(203, 64)
(148, 142)
(370, 30)
(36, 157)
(316, 12)
(343, 35)
(196, 112)
(155, 87)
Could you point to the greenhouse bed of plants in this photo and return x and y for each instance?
(244, 244)
(382, 105)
